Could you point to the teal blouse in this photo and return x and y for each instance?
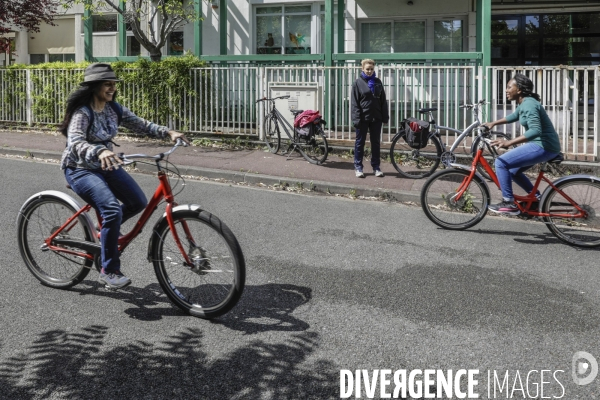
(538, 127)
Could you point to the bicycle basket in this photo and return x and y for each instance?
(417, 132)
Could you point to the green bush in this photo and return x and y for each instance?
(156, 91)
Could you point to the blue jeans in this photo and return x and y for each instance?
(374, 129)
(103, 190)
(513, 163)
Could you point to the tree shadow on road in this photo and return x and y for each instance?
(82, 364)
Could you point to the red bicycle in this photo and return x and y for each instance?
(458, 198)
(197, 259)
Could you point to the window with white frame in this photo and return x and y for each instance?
(402, 36)
(43, 58)
(134, 48)
(284, 29)
(63, 57)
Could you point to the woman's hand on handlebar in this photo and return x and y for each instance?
(174, 135)
(109, 160)
(488, 125)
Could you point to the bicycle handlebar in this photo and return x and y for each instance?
(470, 106)
(273, 99)
(127, 159)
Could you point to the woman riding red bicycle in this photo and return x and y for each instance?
(540, 140)
(92, 169)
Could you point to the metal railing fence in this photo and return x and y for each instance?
(222, 97)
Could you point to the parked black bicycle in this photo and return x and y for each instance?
(310, 142)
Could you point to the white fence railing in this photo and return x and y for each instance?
(223, 97)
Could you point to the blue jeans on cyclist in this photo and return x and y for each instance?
(374, 129)
(512, 165)
(103, 190)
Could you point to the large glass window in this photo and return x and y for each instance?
(409, 37)
(284, 29)
(175, 46)
(400, 36)
(448, 36)
(61, 57)
(376, 37)
(546, 39)
(37, 58)
(133, 46)
(105, 23)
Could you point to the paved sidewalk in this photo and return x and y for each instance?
(335, 176)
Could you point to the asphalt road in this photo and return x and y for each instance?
(332, 284)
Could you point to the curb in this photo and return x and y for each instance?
(251, 178)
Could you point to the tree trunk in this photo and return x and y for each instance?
(155, 56)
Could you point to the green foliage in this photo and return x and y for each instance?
(152, 90)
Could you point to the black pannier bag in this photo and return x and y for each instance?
(417, 132)
(307, 131)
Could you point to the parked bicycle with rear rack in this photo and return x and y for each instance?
(311, 142)
(416, 152)
(458, 198)
(197, 259)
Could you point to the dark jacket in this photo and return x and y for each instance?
(366, 105)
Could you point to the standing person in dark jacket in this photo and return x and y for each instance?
(369, 112)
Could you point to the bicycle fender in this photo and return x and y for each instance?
(399, 134)
(48, 194)
(183, 207)
(576, 177)
(467, 168)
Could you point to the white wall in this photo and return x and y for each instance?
(106, 44)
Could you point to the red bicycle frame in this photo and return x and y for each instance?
(163, 191)
(524, 203)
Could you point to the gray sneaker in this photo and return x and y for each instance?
(378, 173)
(114, 281)
(359, 174)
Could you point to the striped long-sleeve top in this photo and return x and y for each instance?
(83, 148)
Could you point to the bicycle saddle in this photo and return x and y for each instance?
(426, 110)
(296, 112)
(558, 159)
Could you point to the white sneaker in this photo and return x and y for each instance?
(359, 174)
(378, 173)
(114, 281)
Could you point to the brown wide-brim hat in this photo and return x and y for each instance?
(99, 72)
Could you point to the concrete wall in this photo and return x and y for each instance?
(57, 39)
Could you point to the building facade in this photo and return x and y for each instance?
(522, 32)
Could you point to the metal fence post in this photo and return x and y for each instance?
(260, 92)
(29, 97)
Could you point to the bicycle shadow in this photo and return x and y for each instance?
(262, 308)
(544, 238)
(268, 307)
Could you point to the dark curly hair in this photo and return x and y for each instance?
(525, 85)
(82, 96)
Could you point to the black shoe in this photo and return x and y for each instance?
(506, 207)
